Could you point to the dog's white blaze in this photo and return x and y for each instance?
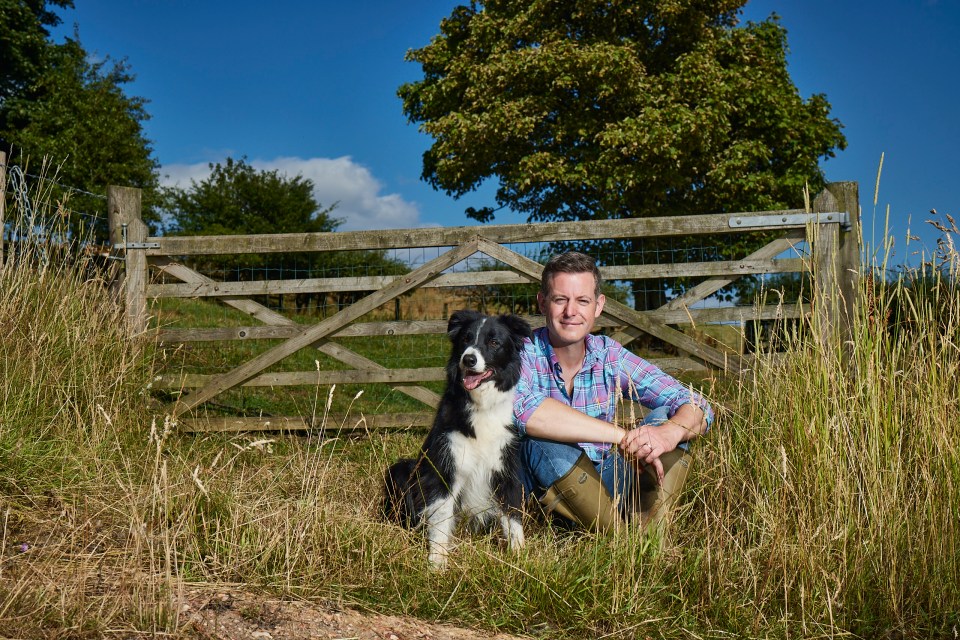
(481, 362)
(472, 349)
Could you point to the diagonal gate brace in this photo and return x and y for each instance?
(268, 358)
(621, 312)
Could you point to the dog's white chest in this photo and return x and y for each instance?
(477, 459)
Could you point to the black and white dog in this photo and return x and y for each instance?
(468, 465)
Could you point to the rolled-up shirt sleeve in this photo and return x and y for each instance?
(647, 384)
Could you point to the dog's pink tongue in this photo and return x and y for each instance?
(472, 380)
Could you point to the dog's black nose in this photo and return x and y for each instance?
(469, 360)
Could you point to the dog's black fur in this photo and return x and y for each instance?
(469, 463)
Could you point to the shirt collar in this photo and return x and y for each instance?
(543, 339)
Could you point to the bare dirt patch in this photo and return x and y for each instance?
(232, 614)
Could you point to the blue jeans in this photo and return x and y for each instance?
(543, 462)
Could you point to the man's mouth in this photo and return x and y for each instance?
(472, 380)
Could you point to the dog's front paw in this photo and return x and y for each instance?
(514, 533)
(438, 557)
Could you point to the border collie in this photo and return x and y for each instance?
(468, 465)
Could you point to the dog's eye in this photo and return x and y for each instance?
(494, 344)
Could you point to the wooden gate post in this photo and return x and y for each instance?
(3, 200)
(836, 264)
(849, 259)
(126, 227)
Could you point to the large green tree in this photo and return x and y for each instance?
(63, 108)
(596, 109)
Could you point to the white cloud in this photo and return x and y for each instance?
(358, 194)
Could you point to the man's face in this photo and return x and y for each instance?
(570, 307)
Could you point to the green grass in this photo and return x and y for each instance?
(825, 503)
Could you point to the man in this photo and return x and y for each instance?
(575, 459)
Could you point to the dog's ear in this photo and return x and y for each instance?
(460, 319)
(519, 328)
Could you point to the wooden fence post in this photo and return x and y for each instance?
(836, 263)
(849, 259)
(3, 200)
(126, 226)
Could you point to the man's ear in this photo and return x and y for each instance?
(541, 301)
(600, 300)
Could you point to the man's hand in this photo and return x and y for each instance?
(647, 443)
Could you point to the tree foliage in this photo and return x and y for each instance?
(586, 109)
(63, 107)
(597, 109)
(23, 41)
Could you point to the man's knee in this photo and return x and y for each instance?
(543, 462)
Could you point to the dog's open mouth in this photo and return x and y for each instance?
(472, 380)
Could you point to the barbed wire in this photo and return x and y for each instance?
(64, 186)
(23, 194)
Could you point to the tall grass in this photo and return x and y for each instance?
(71, 403)
(825, 502)
(834, 503)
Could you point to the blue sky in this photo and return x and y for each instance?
(310, 87)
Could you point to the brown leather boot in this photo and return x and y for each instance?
(581, 496)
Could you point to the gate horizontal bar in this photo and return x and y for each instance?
(789, 219)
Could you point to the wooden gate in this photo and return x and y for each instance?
(829, 231)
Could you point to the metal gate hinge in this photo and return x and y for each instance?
(139, 245)
(793, 219)
(123, 246)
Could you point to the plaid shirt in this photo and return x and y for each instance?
(609, 373)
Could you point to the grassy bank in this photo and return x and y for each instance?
(826, 502)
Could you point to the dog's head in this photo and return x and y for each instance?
(486, 348)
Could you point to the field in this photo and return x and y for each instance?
(825, 502)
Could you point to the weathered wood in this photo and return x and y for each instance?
(325, 285)
(453, 236)
(426, 396)
(253, 367)
(336, 423)
(250, 307)
(3, 202)
(707, 288)
(733, 269)
(310, 378)
(621, 312)
(465, 241)
(849, 261)
(283, 323)
(136, 280)
(433, 327)
(124, 213)
(825, 242)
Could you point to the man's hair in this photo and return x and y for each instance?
(570, 262)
